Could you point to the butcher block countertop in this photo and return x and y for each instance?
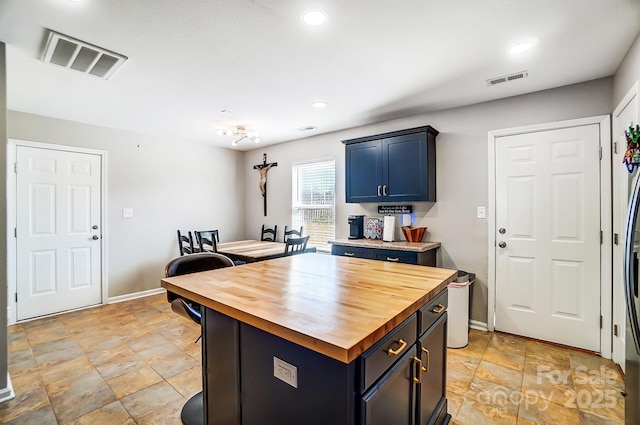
(336, 306)
(379, 244)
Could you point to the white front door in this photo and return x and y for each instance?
(58, 246)
(548, 235)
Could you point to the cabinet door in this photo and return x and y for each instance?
(432, 348)
(396, 256)
(363, 174)
(404, 168)
(348, 251)
(392, 399)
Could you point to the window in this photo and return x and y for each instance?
(313, 200)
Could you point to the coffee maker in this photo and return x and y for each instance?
(356, 226)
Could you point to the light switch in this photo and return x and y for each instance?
(482, 212)
(127, 212)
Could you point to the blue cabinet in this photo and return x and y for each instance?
(392, 167)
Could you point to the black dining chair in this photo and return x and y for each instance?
(207, 240)
(185, 243)
(192, 412)
(292, 233)
(269, 235)
(296, 245)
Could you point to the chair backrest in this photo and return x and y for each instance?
(292, 233)
(270, 235)
(199, 262)
(185, 243)
(296, 245)
(207, 240)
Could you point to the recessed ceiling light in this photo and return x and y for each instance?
(521, 47)
(319, 104)
(314, 17)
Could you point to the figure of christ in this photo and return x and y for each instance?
(264, 168)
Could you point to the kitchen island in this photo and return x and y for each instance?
(423, 253)
(318, 339)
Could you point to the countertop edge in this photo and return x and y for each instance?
(379, 244)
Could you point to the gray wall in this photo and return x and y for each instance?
(462, 174)
(628, 72)
(170, 185)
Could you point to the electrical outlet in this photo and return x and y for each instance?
(127, 212)
(285, 372)
(481, 212)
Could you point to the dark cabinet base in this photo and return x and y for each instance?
(425, 258)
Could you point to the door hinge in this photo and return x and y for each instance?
(601, 237)
(15, 232)
(600, 151)
(615, 330)
(601, 321)
(615, 147)
(15, 167)
(615, 238)
(16, 297)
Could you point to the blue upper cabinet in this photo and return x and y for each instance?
(392, 167)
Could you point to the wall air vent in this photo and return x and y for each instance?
(74, 54)
(507, 78)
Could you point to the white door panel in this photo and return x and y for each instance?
(58, 205)
(548, 218)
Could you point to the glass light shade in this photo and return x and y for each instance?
(521, 48)
(314, 17)
(257, 140)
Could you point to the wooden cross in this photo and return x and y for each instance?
(264, 167)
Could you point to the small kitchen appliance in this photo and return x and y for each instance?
(356, 226)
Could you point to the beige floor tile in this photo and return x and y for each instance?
(110, 414)
(473, 412)
(146, 401)
(188, 382)
(502, 357)
(134, 381)
(500, 375)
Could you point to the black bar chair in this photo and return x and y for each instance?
(185, 243)
(207, 240)
(193, 411)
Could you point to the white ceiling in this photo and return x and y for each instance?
(373, 60)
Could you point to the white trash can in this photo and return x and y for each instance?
(458, 311)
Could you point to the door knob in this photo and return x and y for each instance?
(95, 237)
(502, 244)
(94, 227)
(502, 230)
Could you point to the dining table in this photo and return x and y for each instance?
(251, 251)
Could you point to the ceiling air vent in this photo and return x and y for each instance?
(507, 78)
(307, 128)
(74, 54)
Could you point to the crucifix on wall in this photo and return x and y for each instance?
(263, 168)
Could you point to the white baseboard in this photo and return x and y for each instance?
(479, 326)
(7, 393)
(133, 296)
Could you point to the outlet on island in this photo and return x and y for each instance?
(285, 372)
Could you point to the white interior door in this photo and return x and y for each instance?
(548, 235)
(58, 246)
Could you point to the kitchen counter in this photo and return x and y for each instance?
(380, 244)
(317, 301)
(313, 339)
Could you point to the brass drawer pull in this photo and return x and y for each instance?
(349, 254)
(403, 345)
(420, 370)
(438, 309)
(393, 259)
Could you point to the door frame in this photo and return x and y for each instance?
(621, 187)
(12, 202)
(604, 121)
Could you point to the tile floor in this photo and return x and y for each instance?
(136, 363)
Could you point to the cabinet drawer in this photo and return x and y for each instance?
(349, 251)
(432, 311)
(380, 357)
(396, 256)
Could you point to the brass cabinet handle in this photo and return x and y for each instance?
(438, 309)
(393, 259)
(403, 345)
(426, 369)
(384, 190)
(420, 370)
(379, 190)
(349, 254)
